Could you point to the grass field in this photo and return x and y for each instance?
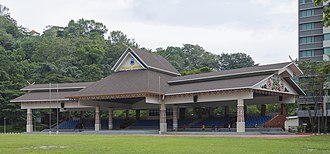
(22, 143)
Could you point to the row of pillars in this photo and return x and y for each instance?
(240, 124)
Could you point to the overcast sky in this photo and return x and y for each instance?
(264, 29)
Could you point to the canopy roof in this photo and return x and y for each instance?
(140, 72)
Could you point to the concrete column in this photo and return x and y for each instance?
(162, 118)
(97, 118)
(82, 116)
(240, 124)
(226, 110)
(182, 113)
(283, 109)
(137, 114)
(110, 120)
(29, 124)
(127, 114)
(263, 109)
(175, 118)
(211, 112)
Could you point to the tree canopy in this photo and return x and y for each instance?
(83, 50)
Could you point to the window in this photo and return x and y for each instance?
(306, 13)
(305, 1)
(326, 36)
(309, 39)
(306, 53)
(308, 26)
(327, 51)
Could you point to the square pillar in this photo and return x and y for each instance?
(283, 109)
(127, 114)
(263, 109)
(226, 110)
(137, 114)
(97, 118)
(162, 118)
(240, 124)
(29, 124)
(175, 118)
(110, 120)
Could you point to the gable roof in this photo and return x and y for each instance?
(247, 71)
(149, 60)
(127, 82)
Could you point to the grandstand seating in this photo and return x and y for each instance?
(214, 121)
(251, 121)
(69, 124)
(89, 123)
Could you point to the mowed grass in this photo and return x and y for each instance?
(23, 143)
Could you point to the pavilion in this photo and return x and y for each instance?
(143, 80)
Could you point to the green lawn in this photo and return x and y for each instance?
(23, 143)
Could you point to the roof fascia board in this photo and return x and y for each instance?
(203, 91)
(119, 60)
(295, 84)
(224, 75)
(27, 89)
(139, 58)
(41, 100)
(155, 68)
(263, 80)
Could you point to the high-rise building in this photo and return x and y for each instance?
(314, 44)
(314, 40)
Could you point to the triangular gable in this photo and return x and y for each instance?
(275, 83)
(129, 62)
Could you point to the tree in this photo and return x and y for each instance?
(234, 60)
(312, 82)
(326, 11)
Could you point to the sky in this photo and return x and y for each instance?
(266, 30)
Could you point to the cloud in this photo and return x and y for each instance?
(265, 29)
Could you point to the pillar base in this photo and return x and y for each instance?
(29, 128)
(175, 127)
(163, 127)
(110, 127)
(97, 127)
(240, 127)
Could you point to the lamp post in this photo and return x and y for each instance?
(4, 124)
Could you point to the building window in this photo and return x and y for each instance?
(306, 13)
(308, 26)
(309, 39)
(326, 36)
(305, 1)
(327, 51)
(306, 53)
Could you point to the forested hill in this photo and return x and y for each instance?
(84, 50)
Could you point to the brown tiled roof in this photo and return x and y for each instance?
(263, 68)
(79, 85)
(155, 61)
(215, 85)
(125, 82)
(43, 96)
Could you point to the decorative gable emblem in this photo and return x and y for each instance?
(130, 63)
(275, 83)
